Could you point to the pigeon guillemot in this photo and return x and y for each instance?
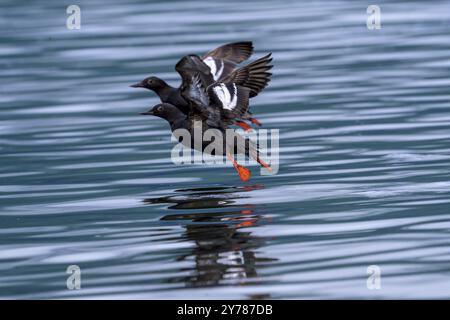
(214, 107)
(217, 65)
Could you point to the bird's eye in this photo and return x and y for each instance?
(160, 109)
(150, 81)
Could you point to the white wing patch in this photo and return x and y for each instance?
(227, 98)
(212, 64)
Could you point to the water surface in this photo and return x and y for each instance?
(364, 124)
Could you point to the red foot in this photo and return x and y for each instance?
(255, 121)
(243, 125)
(243, 172)
(265, 165)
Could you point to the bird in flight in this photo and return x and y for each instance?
(214, 94)
(220, 64)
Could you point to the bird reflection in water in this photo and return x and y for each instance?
(225, 251)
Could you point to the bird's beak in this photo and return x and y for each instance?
(147, 113)
(137, 85)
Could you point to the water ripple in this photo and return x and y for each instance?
(364, 130)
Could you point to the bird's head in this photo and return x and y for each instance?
(166, 111)
(151, 83)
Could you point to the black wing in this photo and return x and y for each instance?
(235, 52)
(195, 77)
(221, 103)
(254, 76)
(224, 59)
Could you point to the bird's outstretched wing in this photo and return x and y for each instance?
(194, 76)
(235, 52)
(254, 76)
(223, 60)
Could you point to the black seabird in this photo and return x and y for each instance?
(217, 65)
(213, 107)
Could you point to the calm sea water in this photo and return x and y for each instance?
(364, 119)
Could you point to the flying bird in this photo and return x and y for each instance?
(218, 65)
(214, 94)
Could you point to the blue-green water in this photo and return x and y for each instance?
(364, 120)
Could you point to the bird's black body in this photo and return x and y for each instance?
(196, 125)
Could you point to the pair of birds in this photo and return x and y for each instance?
(214, 93)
